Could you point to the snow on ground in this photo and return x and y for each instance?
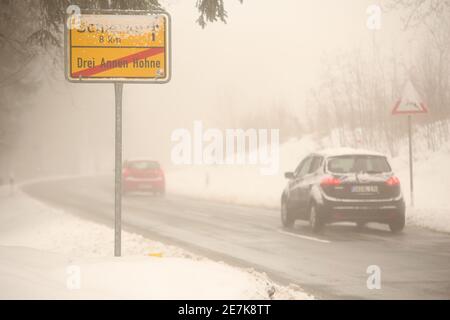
(240, 184)
(43, 250)
(245, 185)
(431, 187)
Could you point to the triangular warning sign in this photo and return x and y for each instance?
(410, 103)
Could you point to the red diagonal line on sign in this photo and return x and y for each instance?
(135, 56)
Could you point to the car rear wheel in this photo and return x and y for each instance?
(398, 224)
(286, 216)
(315, 220)
(160, 193)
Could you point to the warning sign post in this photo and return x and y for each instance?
(117, 47)
(410, 104)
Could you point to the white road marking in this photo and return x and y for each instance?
(197, 213)
(303, 237)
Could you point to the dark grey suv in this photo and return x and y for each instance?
(343, 185)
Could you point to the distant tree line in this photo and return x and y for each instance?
(353, 103)
(358, 90)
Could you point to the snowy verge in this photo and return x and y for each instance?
(431, 187)
(46, 253)
(239, 184)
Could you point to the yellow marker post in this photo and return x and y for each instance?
(155, 254)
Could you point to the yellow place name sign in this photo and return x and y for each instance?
(118, 48)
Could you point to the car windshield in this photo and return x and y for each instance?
(358, 163)
(143, 165)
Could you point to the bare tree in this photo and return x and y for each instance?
(419, 11)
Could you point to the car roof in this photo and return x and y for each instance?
(333, 152)
(140, 159)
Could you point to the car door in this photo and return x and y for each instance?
(296, 184)
(306, 182)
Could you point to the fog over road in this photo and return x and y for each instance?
(332, 265)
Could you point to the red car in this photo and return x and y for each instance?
(143, 175)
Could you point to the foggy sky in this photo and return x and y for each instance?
(268, 52)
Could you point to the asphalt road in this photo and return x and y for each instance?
(414, 264)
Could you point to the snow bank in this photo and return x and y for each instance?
(245, 185)
(240, 184)
(431, 187)
(42, 247)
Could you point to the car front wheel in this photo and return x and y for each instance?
(286, 217)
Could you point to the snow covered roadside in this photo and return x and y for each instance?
(239, 184)
(46, 253)
(431, 188)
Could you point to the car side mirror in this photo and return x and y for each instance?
(289, 175)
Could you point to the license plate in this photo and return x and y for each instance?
(365, 189)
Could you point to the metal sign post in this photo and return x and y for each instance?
(118, 88)
(411, 179)
(113, 46)
(410, 104)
